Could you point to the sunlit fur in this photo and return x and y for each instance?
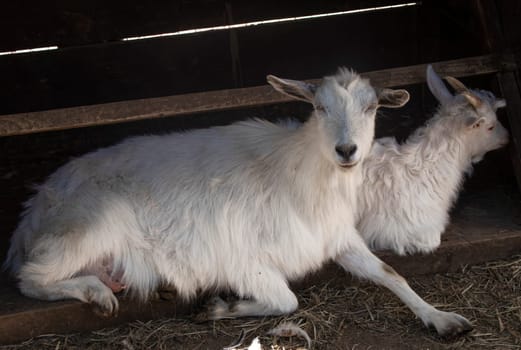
(409, 188)
(243, 207)
(360, 126)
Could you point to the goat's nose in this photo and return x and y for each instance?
(346, 151)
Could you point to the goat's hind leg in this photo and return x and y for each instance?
(53, 273)
(270, 296)
(360, 261)
(88, 289)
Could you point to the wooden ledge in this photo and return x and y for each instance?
(22, 318)
(169, 106)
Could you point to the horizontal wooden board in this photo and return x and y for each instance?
(17, 124)
(313, 48)
(116, 71)
(200, 62)
(27, 24)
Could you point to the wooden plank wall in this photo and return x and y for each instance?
(500, 34)
(109, 70)
(66, 23)
(93, 66)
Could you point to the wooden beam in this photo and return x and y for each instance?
(125, 111)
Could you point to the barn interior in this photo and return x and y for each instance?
(77, 76)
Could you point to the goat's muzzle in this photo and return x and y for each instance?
(347, 155)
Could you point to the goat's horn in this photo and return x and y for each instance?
(460, 88)
(457, 85)
(474, 100)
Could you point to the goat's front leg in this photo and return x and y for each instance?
(360, 261)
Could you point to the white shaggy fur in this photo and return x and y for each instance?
(409, 188)
(244, 207)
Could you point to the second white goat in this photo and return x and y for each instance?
(409, 188)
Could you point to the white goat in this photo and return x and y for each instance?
(409, 188)
(243, 207)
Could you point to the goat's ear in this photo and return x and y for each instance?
(500, 103)
(392, 98)
(299, 90)
(474, 122)
(437, 87)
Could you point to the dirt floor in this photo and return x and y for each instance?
(358, 316)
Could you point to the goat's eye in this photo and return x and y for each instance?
(491, 128)
(320, 108)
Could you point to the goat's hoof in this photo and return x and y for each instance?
(105, 304)
(168, 295)
(215, 309)
(450, 324)
(165, 292)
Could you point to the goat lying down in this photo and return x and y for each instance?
(409, 188)
(244, 207)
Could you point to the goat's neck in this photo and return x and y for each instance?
(441, 156)
(310, 173)
(305, 161)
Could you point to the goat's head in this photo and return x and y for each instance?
(474, 114)
(345, 106)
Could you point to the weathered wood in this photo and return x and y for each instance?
(511, 91)
(28, 318)
(490, 27)
(120, 71)
(510, 12)
(59, 119)
(70, 23)
(494, 41)
(312, 48)
(22, 318)
(114, 72)
(463, 67)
